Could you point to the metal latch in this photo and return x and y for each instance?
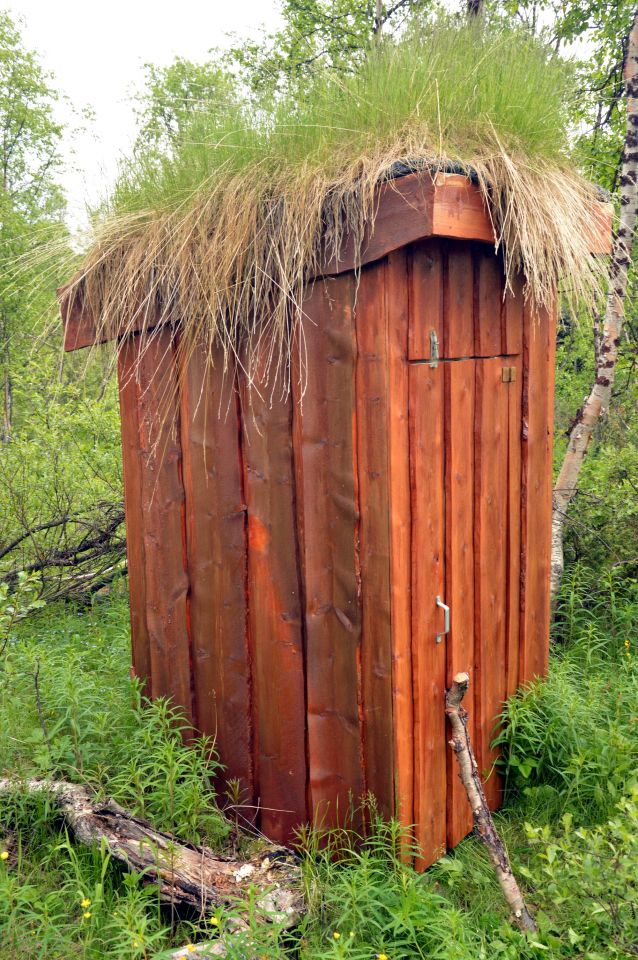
(509, 374)
(446, 619)
(434, 349)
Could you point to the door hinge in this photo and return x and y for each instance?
(434, 349)
(509, 374)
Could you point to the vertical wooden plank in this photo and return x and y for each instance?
(372, 422)
(459, 594)
(427, 262)
(165, 576)
(512, 335)
(216, 549)
(400, 533)
(458, 302)
(325, 452)
(490, 559)
(275, 612)
(428, 581)
(513, 345)
(132, 469)
(538, 420)
(489, 280)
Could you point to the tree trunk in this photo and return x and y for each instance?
(483, 821)
(597, 403)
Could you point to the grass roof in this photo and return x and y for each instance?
(224, 233)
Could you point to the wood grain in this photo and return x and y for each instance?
(133, 509)
(372, 425)
(490, 539)
(459, 592)
(428, 581)
(275, 610)
(325, 464)
(400, 533)
(217, 559)
(427, 266)
(538, 422)
(162, 496)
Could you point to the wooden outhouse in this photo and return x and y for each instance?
(307, 572)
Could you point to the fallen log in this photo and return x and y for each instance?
(481, 813)
(185, 874)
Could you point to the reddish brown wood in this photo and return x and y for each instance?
(325, 458)
(458, 339)
(400, 533)
(538, 421)
(217, 560)
(490, 283)
(512, 339)
(301, 542)
(132, 470)
(403, 213)
(459, 593)
(492, 434)
(275, 611)
(162, 497)
(427, 264)
(428, 581)
(372, 425)
(514, 401)
(459, 211)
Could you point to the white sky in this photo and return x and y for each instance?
(96, 52)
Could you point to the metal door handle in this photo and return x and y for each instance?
(446, 619)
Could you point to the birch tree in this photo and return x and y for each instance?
(609, 338)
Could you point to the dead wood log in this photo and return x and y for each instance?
(185, 874)
(483, 821)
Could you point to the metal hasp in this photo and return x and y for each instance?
(434, 349)
(446, 619)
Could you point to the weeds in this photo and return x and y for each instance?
(570, 745)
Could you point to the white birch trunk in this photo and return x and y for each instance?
(597, 403)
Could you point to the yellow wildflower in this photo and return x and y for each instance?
(382, 956)
(86, 914)
(627, 643)
(336, 936)
(85, 903)
(190, 948)
(214, 921)
(4, 855)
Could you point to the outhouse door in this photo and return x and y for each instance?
(465, 439)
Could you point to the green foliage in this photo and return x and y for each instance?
(571, 742)
(455, 87)
(317, 35)
(175, 95)
(31, 203)
(595, 867)
(81, 661)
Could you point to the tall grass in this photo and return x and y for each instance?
(222, 235)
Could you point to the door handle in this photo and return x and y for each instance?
(446, 619)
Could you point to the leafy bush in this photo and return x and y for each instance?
(571, 741)
(596, 869)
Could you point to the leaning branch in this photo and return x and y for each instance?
(483, 821)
